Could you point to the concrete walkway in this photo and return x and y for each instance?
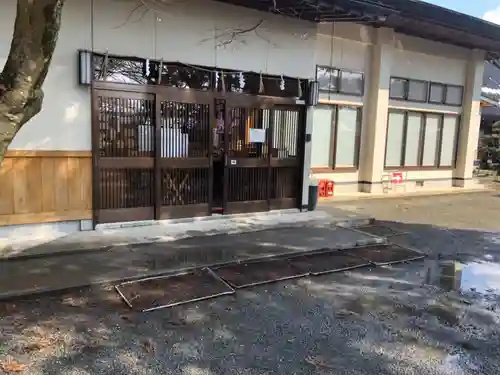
(105, 237)
(27, 276)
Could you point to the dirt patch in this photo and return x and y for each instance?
(380, 305)
(445, 311)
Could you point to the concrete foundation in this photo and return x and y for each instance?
(55, 272)
(43, 239)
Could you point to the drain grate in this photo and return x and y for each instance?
(379, 230)
(253, 273)
(334, 261)
(384, 254)
(167, 291)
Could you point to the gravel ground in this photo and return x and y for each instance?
(381, 321)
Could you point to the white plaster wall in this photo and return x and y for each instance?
(432, 180)
(339, 176)
(347, 30)
(185, 32)
(181, 32)
(345, 182)
(430, 175)
(345, 46)
(427, 60)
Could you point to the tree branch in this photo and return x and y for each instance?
(36, 30)
(229, 36)
(223, 39)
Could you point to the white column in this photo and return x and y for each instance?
(372, 153)
(307, 156)
(471, 119)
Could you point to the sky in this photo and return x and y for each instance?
(486, 9)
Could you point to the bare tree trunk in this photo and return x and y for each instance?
(33, 42)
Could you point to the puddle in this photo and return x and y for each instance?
(479, 276)
(493, 238)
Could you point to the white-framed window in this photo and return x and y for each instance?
(418, 91)
(412, 140)
(321, 140)
(340, 81)
(431, 138)
(398, 88)
(351, 83)
(336, 137)
(454, 95)
(395, 136)
(408, 89)
(436, 93)
(346, 143)
(415, 90)
(421, 140)
(449, 137)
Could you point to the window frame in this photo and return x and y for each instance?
(421, 142)
(360, 94)
(443, 85)
(439, 141)
(338, 85)
(406, 88)
(429, 84)
(329, 68)
(455, 144)
(406, 94)
(329, 168)
(461, 96)
(403, 144)
(426, 93)
(334, 137)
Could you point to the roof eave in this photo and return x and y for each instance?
(415, 18)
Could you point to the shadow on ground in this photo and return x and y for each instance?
(134, 261)
(372, 321)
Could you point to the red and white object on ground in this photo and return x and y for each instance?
(322, 188)
(326, 188)
(397, 178)
(330, 186)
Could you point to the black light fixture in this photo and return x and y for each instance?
(84, 67)
(313, 93)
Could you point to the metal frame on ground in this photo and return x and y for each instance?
(396, 232)
(288, 257)
(334, 270)
(236, 287)
(209, 272)
(420, 255)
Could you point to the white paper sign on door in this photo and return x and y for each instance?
(257, 135)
